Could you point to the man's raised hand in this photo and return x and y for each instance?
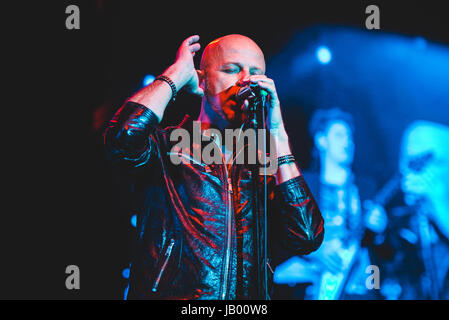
(185, 65)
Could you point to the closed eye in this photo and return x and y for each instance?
(256, 71)
(231, 70)
(236, 68)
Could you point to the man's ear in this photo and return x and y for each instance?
(320, 141)
(200, 74)
(201, 86)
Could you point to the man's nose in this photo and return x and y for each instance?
(244, 75)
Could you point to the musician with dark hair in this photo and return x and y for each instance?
(337, 269)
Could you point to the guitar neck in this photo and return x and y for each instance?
(388, 190)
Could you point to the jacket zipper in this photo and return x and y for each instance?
(164, 265)
(230, 191)
(228, 238)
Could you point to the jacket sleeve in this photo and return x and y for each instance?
(128, 136)
(302, 228)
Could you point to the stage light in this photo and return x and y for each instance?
(149, 78)
(125, 293)
(134, 220)
(323, 54)
(125, 273)
(420, 43)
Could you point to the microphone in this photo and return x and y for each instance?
(251, 92)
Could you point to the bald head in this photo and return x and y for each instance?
(228, 45)
(425, 136)
(424, 162)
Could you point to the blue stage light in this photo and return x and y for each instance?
(420, 43)
(134, 220)
(323, 54)
(149, 78)
(125, 293)
(125, 273)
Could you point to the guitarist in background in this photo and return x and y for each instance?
(337, 269)
(419, 228)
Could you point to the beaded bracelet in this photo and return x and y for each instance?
(171, 84)
(286, 159)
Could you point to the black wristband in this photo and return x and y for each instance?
(286, 159)
(171, 84)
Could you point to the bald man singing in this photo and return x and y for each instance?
(196, 236)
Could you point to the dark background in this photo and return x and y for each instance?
(64, 205)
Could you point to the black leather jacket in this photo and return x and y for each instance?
(194, 229)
